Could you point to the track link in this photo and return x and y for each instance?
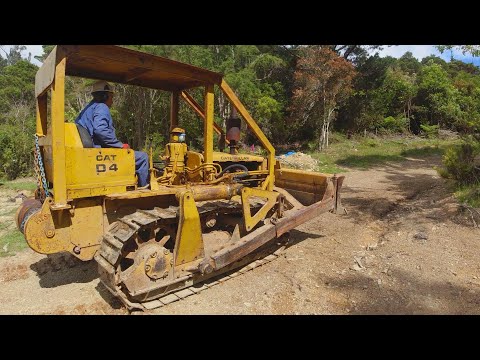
(197, 288)
(120, 232)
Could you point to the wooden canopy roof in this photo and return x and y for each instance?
(121, 65)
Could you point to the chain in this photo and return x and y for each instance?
(40, 172)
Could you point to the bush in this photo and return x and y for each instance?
(336, 137)
(16, 152)
(431, 131)
(460, 162)
(391, 124)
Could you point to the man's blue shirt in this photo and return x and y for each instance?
(96, 118)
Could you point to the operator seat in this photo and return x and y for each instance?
(85, 137)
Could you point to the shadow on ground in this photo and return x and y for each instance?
(61, 269)
(367, 161)
(109, 298)
(408, 192)
(297, 236)
(434, 297)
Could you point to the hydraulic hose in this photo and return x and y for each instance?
(233, 166)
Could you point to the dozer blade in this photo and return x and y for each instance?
(324, 187)
(311, 187)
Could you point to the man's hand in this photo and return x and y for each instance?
(125, 146)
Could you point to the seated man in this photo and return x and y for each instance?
(96, 118)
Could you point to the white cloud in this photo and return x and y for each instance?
(418, 51)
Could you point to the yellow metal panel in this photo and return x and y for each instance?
(47, 232)
(87, 226)
(208, 125)
(72, 138)
(99, 170)
(95, 191)
(256, 130)
(58, 133)
(307, 186)
(137, 194)
(189, 241)
(221, 157)
(194, 160)
(251, 221)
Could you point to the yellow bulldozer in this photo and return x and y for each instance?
(204, 215)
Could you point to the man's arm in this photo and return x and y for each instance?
(103, 132)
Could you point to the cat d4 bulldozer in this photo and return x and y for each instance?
(204, 215)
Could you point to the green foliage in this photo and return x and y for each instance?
(469, 194)
(431, 131)
(16, 157)
(394, 125)
(461, 164)
(387, 96)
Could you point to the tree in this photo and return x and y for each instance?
(473, 50)
(323, 81)
(438, 96)
(400, 89)
(14, 54)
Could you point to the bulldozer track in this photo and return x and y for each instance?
(120, 232)
(219, 279)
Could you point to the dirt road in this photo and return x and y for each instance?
(403, 248)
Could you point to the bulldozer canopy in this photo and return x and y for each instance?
(125, 66)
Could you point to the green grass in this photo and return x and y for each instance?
(469, 194)
(19, 185)
(10, 212)
(12, 242)
(363, 153)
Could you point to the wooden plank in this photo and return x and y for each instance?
(84, 58)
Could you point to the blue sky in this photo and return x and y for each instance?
(419, 51)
